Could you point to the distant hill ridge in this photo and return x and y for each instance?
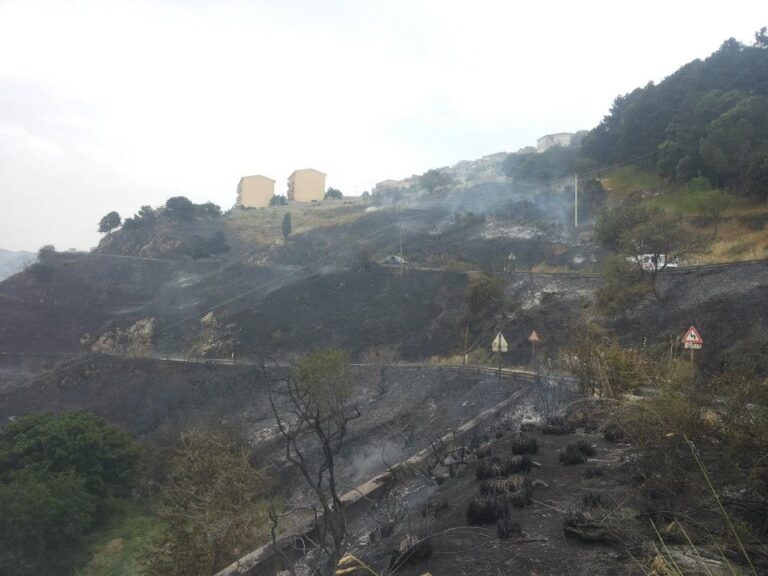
(13, 262)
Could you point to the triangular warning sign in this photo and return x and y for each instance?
(692, 336)
(499, 343)
(534, 337)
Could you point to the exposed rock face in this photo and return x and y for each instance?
(136, 340)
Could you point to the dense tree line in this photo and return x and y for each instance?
(56, 474)
(710, 118)
(176, 209)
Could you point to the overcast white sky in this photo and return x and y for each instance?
(112, 105)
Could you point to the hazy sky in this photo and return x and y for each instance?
(112, 105)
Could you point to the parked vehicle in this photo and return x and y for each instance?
(394, 261)
(651, 262)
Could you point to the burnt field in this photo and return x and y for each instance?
(418, 312)
(516, 502)
(50, 306)
(411, 408)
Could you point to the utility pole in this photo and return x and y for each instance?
(466, 339)
(401, 238)
(575, 200)
(401, 245)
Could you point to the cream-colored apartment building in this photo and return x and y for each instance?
(307, 185)
(255, 191)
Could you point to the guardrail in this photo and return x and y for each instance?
(268, 559)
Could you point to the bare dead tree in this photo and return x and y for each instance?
(311, 407)
(548, 389)
(380, 358)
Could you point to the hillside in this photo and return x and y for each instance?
(279, 349)
(734, 226)
(710, 118)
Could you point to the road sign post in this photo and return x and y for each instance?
(692, 341)
(534, 339)
(499, 345)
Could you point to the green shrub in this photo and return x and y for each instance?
(624, 285)
(56, 473)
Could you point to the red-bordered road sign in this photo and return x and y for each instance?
(534, 337)
(692, 338)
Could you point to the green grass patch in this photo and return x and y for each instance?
(682, 201)
(117, 548)
(628, 179)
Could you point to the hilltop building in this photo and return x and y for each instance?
(255, 191)
(550, 140)
(307, 185)
(564, 139)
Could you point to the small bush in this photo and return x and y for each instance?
(519, 499)
(523, 445)
(594, 472)
(557, 426)
(613, 432)
(517, 464)
(486, 510)
(570, 456)
(412, 549)
(496, 468)
(506, 528)
(592, 500)
(576, 453)
(505, 486)
(528, 427)
(586, 448)
(484, 451)
(624, 285)
(585, 527)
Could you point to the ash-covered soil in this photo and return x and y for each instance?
(724, 304)
(541, 546)
(414, 407)
(419, 406)
(419, 312)
(50, 309)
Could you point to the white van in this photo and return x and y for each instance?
(649, 262)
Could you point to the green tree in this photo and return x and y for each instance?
(623, 286)
(556, 162)
(485, 296)
(210, 210)
(663, 236)
(333, 194)
(278, 200)
(109, 222)
(434, 181)
(180, 208)
(708, 118)
(44, 520)
(286, 225)
(323, 377)
(147, 215)
(757, 174)
(201, 247)
(55, 474)
(313, 414)
(101, 454)
(615, 221)
(761, 38)
(45, 252)
(213, 504)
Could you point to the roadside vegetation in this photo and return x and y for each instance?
(701, 441)
(58, 477)
(730, 227)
